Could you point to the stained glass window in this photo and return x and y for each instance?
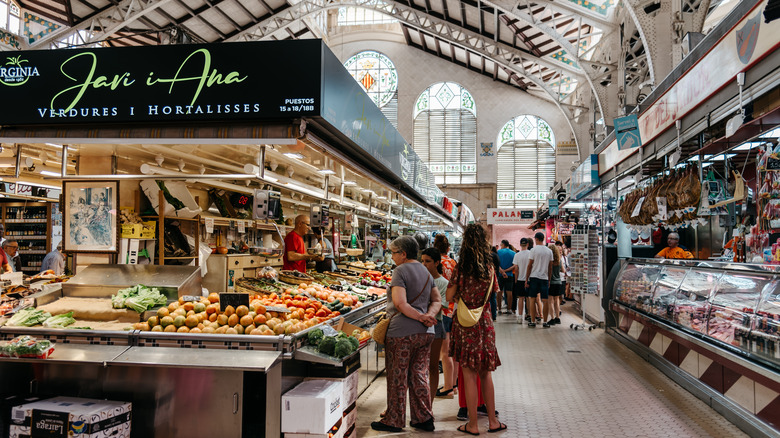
(377, 75)
(445, 133)
(525, 162)
(10, 17)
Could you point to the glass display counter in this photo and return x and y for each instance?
(723, 303)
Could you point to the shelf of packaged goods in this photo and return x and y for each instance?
(26, 221)
(32, 251)
(25, 237)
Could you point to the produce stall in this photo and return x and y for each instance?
(713, 327)
(230, 358)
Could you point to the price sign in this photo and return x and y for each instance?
(661, 203)
(191, 298)
(241, 227)
(233, 299)
(209, 225)
(638, 207)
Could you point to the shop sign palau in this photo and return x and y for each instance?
(161, 83)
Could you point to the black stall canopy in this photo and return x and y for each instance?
(141, 89)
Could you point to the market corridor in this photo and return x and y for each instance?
(562, 383)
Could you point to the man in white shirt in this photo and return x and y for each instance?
(520, 262)
(538, 275)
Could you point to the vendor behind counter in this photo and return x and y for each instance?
(295, 255)
(673, 250)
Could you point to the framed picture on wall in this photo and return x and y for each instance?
(90, 217)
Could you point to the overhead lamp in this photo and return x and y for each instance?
(295, 155)
(349, 183)
(50, 173)
(326, 171)
(59, 146)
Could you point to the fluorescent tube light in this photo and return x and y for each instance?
(349, 183)
(326, 171)
(50, 173)
(295, 155)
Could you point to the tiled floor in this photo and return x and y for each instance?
(562, 383)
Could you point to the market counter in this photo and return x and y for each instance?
(712, 327)
(174, 391)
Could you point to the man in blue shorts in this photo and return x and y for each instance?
(520, 263)
(538, 276)
(506, 277)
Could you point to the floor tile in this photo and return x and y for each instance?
(569, 384)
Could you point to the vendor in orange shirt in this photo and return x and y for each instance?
(673, 251)
(295, 256)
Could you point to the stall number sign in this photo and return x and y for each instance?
(232, 299)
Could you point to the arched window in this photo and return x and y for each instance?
(377, 75)
(526, 162)
(445, 133)
(10, 17)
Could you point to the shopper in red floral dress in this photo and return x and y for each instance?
(475, 347)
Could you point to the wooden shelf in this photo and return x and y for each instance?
(32, 251)
(26, 221)
(194, 229)
(7, 237)
(180, 258)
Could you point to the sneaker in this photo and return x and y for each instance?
(482, 410)
(426, 425)
(528, 318)
(531, 324)
(546, 325)
(520, 320)
(378, 425)
(463, 414)
(538, 319)
(556, 321)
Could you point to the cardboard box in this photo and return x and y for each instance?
(73, 417)
(350, 416)
(349, 383)
(312, 407)
(339, 433)
(149, 230)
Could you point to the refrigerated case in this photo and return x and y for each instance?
(714, 323)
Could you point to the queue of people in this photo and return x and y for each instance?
(423, 321)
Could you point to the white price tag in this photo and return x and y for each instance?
(209, 225)
(241, 227)
(638, 207)
(661, 203)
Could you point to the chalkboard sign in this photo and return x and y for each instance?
(233, 299)
(772, 164)
(526, 214)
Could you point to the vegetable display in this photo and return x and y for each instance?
(139, 298)
(60, 321)
(28, 317)
(27, 346)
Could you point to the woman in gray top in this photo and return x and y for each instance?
(413, 304)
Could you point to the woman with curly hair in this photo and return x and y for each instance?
(473, 280)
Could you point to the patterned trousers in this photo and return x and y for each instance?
(407, 367)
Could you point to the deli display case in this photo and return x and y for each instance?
(726, 304)
(711, 327)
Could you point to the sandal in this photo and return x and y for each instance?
(462, 428)
(447, 393)
(498, 429)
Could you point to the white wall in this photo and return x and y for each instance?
(496, 102)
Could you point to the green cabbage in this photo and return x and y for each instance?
(28, 317)
(139, 298)
(60, 321)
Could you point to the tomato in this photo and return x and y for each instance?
(321, 313)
